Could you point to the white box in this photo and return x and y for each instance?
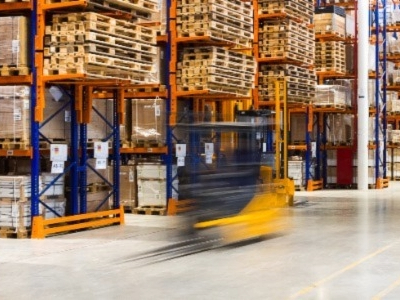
(154, 192)
(154, 171)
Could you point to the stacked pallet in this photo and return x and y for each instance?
(215, 69)
(300, 83)
(14, 117)
(100, 47)
(330, 56)
(142, 10)
(152, 188)
(222, 20)
(334, 96)
(300, 10)
(14, 47)
(287, 39)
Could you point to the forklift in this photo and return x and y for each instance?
(233, 190)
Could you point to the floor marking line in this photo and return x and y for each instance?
(337, 273)
(387, 290)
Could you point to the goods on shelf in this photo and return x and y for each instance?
(330, 20)
(392, 102)
(147, 123)
(222, 20)
(296, 170)
(300, 82)
(53, 187)
(15, 187)
(14, 117)
(330, 96)
(151, 184)
(98, 201)
(301, 9)
(394, 136)
(215, 69)
(340, 129)
(330, 56)
(128, 191)
(54, 205)
(15, 214)
(95, 178)
(100, 47)
(14, 59)
(286, 39)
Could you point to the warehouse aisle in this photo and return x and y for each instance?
(340, 245)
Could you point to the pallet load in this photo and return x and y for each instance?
(14, 117)
(330, 20)
(300, 83)
(333, 96)
(287, 39)
(215, 69)
(330, 56)
(340, 129)
(152, 188)
(146, 123)
(15, 208)
(14, 46)
(221, 20)
(100, 47)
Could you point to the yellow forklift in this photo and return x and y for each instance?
(236, 188)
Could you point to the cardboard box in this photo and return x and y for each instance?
(15, 187)
(15, 113)
(95, 201)
(128, 189)
(57, 188)
(14, 41)
(56, 204)
(153, 192)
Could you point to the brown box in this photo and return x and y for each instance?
(148, 121)
(14, 113)
(128, 190)
(95, 199)
(14, 41)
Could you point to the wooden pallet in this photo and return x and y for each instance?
(11, 232)
(14, 71)
(150, 210)
(16, 144)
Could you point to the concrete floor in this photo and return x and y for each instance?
(340, 245)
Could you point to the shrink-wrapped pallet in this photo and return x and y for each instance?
(330, 96)
(152, 192)
(340, 129)
(96, 176)
(14, 45)
(15, 214)
(148, 122)
(15, 113)
(330, 19)
(15, 187)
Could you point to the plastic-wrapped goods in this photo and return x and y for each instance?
(15, 187)
(148, 122)
(14, 113)
(127, 179)
(55, 189)
(15, 214)
(14, 45)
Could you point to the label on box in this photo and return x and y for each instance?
(180, 150)
(17, 114)
(131, 176)
(180, 162)
(57, 167)
(101, 164)
(15, 46)
(209, 148)
(67, 116)
(25, 104)
(208, 159)
(157, 110)
(100, 150)
(58, 152)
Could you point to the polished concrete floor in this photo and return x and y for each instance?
(340, 245)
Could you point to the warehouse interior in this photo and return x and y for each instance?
(146, 139)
